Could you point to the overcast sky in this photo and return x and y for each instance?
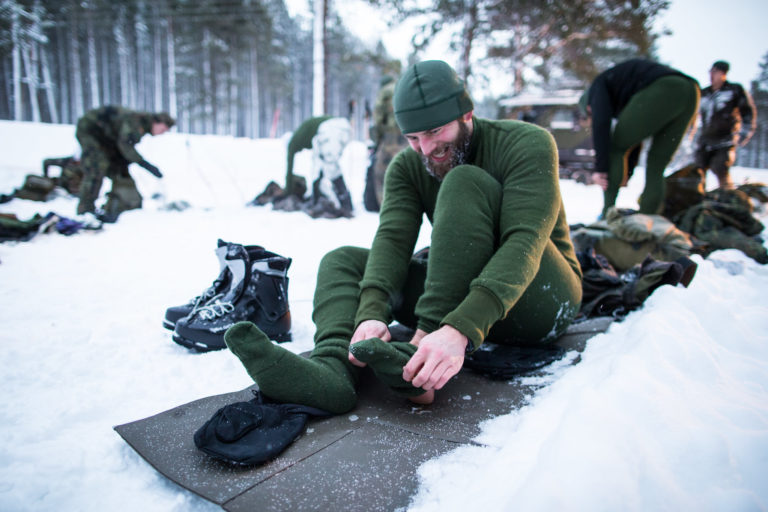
(707, 30)
(702, 31)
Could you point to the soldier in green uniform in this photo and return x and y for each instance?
(326, 136)
(388, 141)
(648, 100)
(107, 136)
(501, 265)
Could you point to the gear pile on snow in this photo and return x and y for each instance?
(252, 285)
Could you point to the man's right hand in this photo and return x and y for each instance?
(369, 329)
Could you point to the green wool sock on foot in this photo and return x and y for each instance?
(320, 381)
(387, 361)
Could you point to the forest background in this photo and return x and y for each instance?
(245, 67)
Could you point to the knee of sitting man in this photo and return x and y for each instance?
(462, 173)
(344, 256)
(463, 179)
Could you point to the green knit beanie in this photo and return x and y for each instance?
(428, 95)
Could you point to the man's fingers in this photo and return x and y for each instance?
(413, 366)
(355, 362)
(449, 370)
(439, 376)
(424, 374)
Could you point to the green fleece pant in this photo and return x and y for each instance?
(466, 226)
(664, 110)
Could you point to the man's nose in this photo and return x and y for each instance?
(427, 146)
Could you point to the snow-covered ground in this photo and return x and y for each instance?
(666, 411)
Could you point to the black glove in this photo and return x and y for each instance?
(151, 168)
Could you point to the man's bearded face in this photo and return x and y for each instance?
(448, 154)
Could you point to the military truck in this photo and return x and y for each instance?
(559, 113)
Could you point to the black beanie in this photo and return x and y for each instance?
(163, 117)
(428, 95)
(721, 65)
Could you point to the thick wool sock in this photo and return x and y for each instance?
(387, 361)
(322, 381)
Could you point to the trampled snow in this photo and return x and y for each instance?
(668, 410)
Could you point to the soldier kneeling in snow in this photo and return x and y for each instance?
(327, 137)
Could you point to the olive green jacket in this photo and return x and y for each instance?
(523, 159)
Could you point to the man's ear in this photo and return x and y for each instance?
(468, 116)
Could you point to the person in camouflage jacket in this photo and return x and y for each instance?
(728, 120)
(108, 136)
(388, 141)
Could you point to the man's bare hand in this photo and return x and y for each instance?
(439, 357)
(601, 179)
(368, 329)
(417, 337)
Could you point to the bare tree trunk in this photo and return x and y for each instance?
(16, 38)
(234, 98)
(40, 60)
(141, 58)
(469, 36)
(30, 64)
(158, 62)
(107, 72)
(518, 63)
(209, 93)
(255, 110)
(122, 57)
(62, 75)
(319, 104)
(171, 50)
(298, 84)
(53, 108)
(93, 69)
(78, 102)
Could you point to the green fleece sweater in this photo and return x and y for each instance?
(523, 159)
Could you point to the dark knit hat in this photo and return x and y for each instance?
(428, 95)
(721, 65)
(163, 117)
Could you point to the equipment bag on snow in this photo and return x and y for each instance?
(35, 188)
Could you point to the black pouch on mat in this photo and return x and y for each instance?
(253, 432)
(504, 362)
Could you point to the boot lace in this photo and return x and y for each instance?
(207, 295)
(215, 310)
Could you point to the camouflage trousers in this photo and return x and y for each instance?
(99, 161)
(390, 145)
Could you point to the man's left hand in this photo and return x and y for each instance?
(439, 357)
(745, 138)
(600, 179)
